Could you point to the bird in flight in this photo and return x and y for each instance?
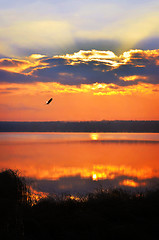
(49, 101)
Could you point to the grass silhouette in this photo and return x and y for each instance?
(106, 214)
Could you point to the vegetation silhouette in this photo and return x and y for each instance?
(14, 196)
(106, 214)
(83, 126)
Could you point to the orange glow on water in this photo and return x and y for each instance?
(131, 183)
(48, 159)
(75, 198)
(37, 195)
(94, 177)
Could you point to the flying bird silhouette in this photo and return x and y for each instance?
(49, 101)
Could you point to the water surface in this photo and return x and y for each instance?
(81, 162)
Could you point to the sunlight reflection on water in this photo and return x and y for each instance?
(80, 162)
(78, 136)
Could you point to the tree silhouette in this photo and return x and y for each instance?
(14, 196)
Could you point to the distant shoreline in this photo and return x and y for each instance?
(83, 126)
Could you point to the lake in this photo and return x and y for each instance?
(83, 162)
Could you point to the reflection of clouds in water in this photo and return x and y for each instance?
(96, 172)
(78, 185)
(131, 183)
(81, 165)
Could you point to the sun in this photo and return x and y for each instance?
(94, 176)
(94, 136)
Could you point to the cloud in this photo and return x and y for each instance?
(44, 35)
(58, 26)
(126, 29)
(98, 71)
(37, 56)
(78, 185)
(148, 43)
(4, 107)
(89, 67)
(12, 77)
(15, 65)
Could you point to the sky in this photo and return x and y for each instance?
(98, 60)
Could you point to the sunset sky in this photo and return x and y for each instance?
(98, 60)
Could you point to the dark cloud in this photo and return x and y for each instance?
(11, 63)
(4, 92)
(7, 90)
(78, 71)
(11, 77)
(81, 73)
(150, 72)
(54, 61)
(143, 58)
(149, 43)
(3, 56)
(85, 68)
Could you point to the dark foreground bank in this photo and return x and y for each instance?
(113, 214)
(85, 126)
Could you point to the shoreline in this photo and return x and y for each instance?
(83, 126)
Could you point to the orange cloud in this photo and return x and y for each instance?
(18, 66)
(94, 89)
(37, 56)
(132, 78)
(14, 65)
